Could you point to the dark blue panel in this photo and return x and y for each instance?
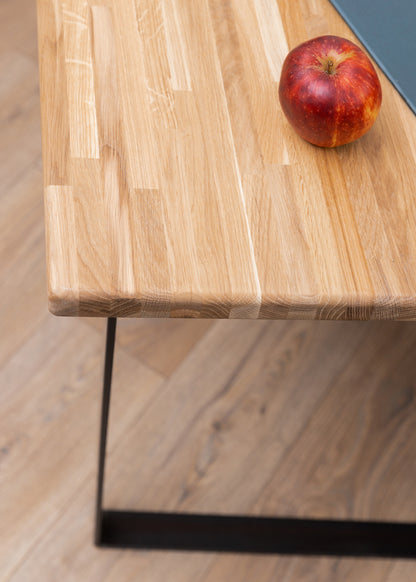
(387, 28)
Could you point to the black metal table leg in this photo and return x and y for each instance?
(236, 533)
(105, 409)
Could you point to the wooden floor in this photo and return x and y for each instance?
(296, 418)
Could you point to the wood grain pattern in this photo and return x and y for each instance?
(190, 195)
(269, 407)
(80, 80)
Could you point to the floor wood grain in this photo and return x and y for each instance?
(299, 418)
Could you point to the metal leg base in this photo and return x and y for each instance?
(219, 533)
(227, 533)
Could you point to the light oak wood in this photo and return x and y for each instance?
(174, 186)
(267, 393)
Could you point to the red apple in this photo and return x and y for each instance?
(329, 91)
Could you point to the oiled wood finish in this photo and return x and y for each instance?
(331, 407)
(174, 186)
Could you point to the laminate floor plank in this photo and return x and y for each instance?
(49, 419)
(161, 344)
(362, 431)
(220, 431)
(22, 271)
(18, 31)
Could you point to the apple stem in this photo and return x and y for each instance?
(330, 67)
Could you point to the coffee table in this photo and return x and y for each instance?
(174, 187)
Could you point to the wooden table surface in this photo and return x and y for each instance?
(174, 186)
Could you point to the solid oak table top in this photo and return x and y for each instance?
(174, 186)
